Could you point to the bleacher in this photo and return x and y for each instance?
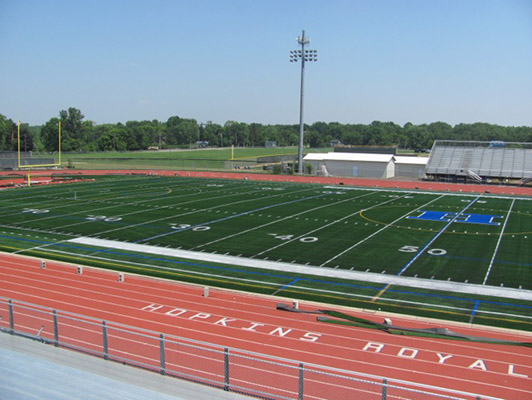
(489, 160)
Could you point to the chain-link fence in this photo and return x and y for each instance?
(229, 369)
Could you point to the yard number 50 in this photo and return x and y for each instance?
(415, 249)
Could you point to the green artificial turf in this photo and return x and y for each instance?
(365, 230)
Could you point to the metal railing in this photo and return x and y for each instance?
(229, 369)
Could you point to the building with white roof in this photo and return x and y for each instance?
(410, 167)
(363, 165)
(366, 165)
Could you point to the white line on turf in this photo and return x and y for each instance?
(280, 220)
(233, 215)
(114, 205)
(379, 231)
(498, 243)
(326, 226)
(418, 254)
(194, 212)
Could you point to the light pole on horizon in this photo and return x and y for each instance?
(304, 56)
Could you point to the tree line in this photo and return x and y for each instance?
(80, 135)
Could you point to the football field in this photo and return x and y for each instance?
(366, 247)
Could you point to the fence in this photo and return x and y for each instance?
(174, 164)
(229, 369)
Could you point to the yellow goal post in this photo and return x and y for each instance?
(30, 166)
(58, 164)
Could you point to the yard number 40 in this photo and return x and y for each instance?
(308, 239)
(102, 218)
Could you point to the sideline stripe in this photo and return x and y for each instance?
(130, 265)
(113, 251)
(297, 291)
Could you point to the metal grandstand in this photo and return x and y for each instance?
(480, 161)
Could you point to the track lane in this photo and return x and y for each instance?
(120, 302)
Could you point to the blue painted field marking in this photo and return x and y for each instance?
(408, 264)
(474, 311)
(229, 217)
(445, 216)
(285, 286)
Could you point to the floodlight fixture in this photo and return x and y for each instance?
(305, 55)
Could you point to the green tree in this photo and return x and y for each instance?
(238, 132)
(26, 140)
(73, 132)
(213, 133)
(50, 135)
(8, 131)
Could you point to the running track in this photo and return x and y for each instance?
(18, 178)
(486, 369)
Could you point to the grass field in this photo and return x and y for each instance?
(471, 243)
(178, 159)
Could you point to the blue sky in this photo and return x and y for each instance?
(415, 61)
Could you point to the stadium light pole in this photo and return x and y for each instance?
(304, 56)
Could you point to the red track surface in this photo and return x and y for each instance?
(382, 183)
(252, 323)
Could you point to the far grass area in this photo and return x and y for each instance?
(212, 158)
(385, 232)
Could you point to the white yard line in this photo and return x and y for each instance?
(55, 200)
(308, 270)
(498, 242)
(133, 203)
(420, 252)
(198, 211)
(379, 231)
(325, 226)
(144, 210)
(280, 220)
(234, 215)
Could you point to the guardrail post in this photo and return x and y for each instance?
(301, 381)
(163, 361)
(384, 388)
(105, 344)
(226, 369)
(56, 331)
(11, 320)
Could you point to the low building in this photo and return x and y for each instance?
(366, 165)
(360, 165)
(410, 167)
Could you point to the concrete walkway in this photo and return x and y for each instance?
(30, 370)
